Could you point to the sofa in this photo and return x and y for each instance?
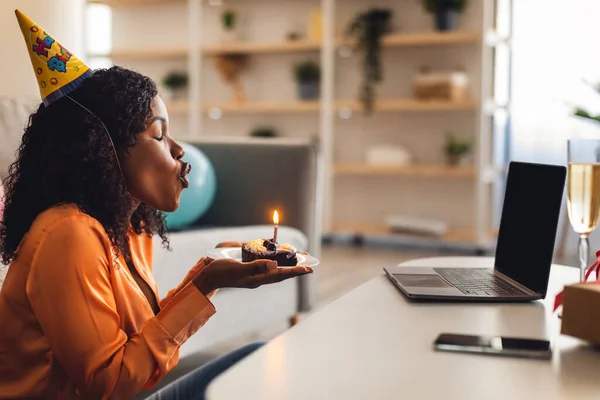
(254, 177)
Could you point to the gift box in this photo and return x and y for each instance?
(440, 85)
(581, 311)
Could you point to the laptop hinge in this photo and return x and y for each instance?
(513, 282)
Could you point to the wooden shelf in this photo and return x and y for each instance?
(262, 47)
(409, 105)
(124, 3)
(142, 54)
(265, 107)
(426, 39)
(393, 40)
(249, 107)
(453, 235)
(420, 170)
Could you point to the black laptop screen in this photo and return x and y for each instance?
(530, 213)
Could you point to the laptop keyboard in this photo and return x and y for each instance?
(478, 282)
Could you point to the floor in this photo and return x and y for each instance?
(345, 267)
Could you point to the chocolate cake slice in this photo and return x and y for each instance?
(267, 249)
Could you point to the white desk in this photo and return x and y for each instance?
(374, 344)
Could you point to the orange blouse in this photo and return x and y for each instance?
(75, 324)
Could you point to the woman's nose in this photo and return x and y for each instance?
(177, 151)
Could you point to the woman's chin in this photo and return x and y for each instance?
(173, 207)
(170, 206)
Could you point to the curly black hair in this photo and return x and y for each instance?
(66, 157)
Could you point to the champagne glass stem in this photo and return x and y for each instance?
(584, 256)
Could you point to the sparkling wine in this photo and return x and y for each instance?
(584, 196)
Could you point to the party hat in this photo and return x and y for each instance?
(57, 70)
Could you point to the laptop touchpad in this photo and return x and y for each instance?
(421, 281)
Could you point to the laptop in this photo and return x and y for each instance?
(524, 251)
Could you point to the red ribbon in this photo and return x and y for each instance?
(558, 300)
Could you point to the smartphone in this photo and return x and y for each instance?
(494, 345)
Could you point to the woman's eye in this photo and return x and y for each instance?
(161, 137)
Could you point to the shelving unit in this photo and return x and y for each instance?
(424, 39)
(409, 105)
(419, 170)
(126, 3)
(460, 195)
(266, 107)
(262, 47)
(145, 54)
(453, 236)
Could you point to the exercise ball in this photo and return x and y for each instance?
(198, 197)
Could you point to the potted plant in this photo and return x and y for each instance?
(308, 77)
(230, 67)
(229, 24)
(367, 29)
(445, 12)
(264, 132)
(456, 150)
(175, 82)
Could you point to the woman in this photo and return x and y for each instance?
(79, 309)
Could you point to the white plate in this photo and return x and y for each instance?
(304, 260)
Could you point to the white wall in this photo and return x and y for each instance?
(553, 52)
(61, 18)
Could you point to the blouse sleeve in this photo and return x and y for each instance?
(200, 265)
(70, 292)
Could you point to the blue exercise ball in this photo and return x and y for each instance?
(198, 197)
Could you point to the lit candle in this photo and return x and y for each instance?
(276, 222)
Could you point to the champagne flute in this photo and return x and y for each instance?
(583, 193)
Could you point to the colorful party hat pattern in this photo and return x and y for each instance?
(57, 70)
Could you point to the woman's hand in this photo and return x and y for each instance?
(226, 272)
(229, 244)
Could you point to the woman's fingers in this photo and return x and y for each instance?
(227, 272)
(229, 244)
(258, 267)
(207, 260)
(278, 275)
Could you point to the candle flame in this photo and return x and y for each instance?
(276, 217)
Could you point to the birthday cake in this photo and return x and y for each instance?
(267, 249)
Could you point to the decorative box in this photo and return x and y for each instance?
(440, 85)
(387, 155)
(581, 311)
(415, 225)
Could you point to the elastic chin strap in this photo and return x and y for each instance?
(107, 134)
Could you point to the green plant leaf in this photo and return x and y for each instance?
(367, 29)
(307, 72)
(228, 19)
(175, 80)
(433, 6)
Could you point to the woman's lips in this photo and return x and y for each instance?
(185, 182)
(185, 170)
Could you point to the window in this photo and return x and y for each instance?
(98, 35)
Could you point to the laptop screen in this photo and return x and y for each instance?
(529, 221)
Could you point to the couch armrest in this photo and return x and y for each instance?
(257, 176)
